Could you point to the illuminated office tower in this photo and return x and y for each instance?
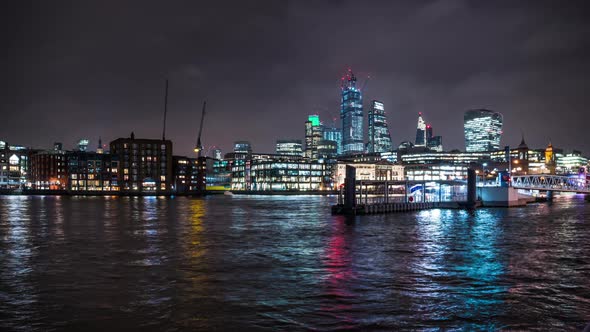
(334, 134)
(314, 133)
(351, 114)
(483, 130)
(289, 147)
(429, 132)
(83, 145)
(420, 131)
(217, 153)
(242, 149)
(433, 142)
(379, 137)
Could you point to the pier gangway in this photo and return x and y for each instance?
(559, 183)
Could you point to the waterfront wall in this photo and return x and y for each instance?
(500, 197)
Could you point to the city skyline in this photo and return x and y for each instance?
(64, 79)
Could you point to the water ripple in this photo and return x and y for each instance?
(284, 263)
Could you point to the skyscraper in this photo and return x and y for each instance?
(334, 134)
(421, 131)
(351, 113)
(483, 130)
(242, 149)
(313, 135)
(433, 142)
(83, 144)
(379, 137)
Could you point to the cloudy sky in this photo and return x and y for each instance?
(98, 68)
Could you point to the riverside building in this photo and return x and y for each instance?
(49, 170)
(281, 174)
(380, 170)
(145, 165)
(14, 166)
(92, 171)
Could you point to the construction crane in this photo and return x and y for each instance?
(365, 83)
(199, 146)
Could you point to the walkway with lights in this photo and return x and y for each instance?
(551, 183)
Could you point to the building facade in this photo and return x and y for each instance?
(279, 175)
(439, 172)
(483, 130)
(571, 163)
(49, 170)
(14, 166)
(351, 114)
(451, 158)
(380, 170)
(334, 134)
(92, 171)
(433, 142)
(514, 161)
(379, 136)
(314, 133)
(420, 131)
(327, 149)
(145, 165)
(289, 147)
(242, 149)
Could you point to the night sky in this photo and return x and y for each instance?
(88, 69)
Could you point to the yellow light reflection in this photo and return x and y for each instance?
(197, 212)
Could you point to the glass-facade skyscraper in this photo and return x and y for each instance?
(420, 131)
(379, 137)
(334, 134)
(483, 130)
(351, 113)
(433, 142)
(314, 133)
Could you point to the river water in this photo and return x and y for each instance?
(284, 263)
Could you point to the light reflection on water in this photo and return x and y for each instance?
(284, 263)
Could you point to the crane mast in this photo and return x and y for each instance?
(199, 146)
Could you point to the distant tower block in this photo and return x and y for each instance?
(379, 136)
(351, 114)
(483, 130)
(420, 131)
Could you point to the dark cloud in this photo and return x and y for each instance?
(89, 69)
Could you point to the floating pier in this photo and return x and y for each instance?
(359, 197)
